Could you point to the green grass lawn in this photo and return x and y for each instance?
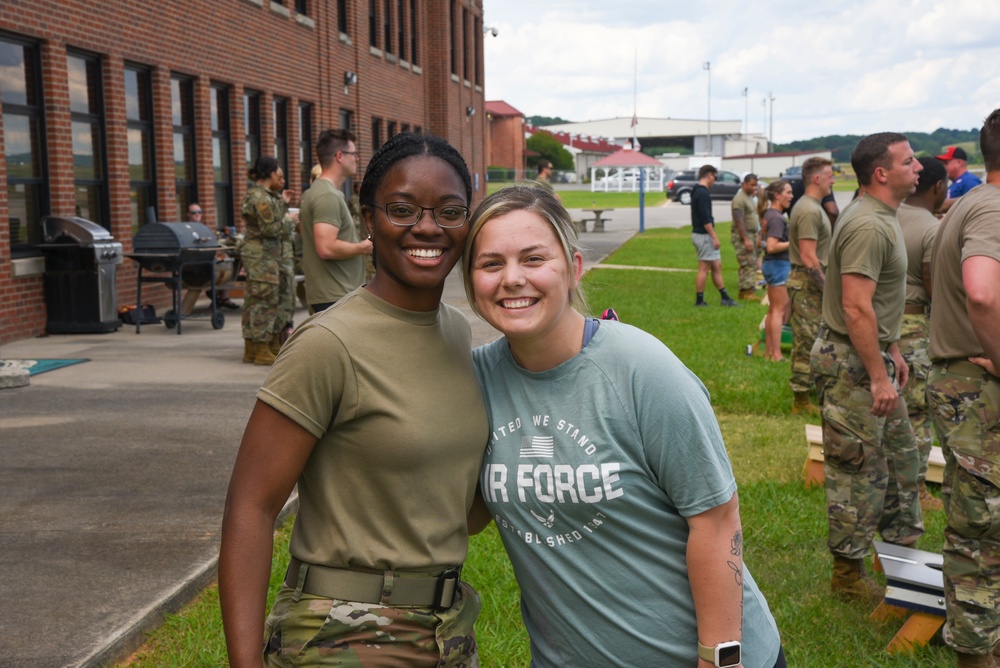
(784, 523)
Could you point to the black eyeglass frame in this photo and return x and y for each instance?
(432, 209)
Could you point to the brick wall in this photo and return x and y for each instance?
(261, 45)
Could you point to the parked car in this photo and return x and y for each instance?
(679, 188)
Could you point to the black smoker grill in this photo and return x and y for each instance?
(184, 250)
(81, 259)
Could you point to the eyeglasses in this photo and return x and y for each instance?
(195, 212)
(447, 216)
(349, 152)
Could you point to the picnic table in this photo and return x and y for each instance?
(598, 220)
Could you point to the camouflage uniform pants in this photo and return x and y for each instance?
(914, 338)
(260, 304)
(870, 463)
(306, 630)
(286, 292)
(806, 301)
(964, 402)
(747, 261)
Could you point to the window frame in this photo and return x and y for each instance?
(220, 102)
(185, 83)
(98, 133)
(146, 126)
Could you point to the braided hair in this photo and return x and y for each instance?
(406, 145)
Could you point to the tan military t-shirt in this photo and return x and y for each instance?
(394, 401)
(919, 230)
(328, 280)
(809, 221)
(868, 242)
(744, 203)
(971, 228)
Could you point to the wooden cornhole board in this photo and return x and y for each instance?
(812, 471)
(915, 590)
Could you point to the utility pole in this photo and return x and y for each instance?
(770, 134)
(746, 121)
(763, 128)
(708, 68)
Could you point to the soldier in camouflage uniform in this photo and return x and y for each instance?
(871, 460)
(963, 394)
(809, 248)
(919, 225)
(286, 287)
(263, 214)
(746, 225)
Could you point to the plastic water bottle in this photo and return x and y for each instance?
(749, 350)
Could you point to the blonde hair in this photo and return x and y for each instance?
(525, 197)
(315, 172)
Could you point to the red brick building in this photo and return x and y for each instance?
(112, 107)
(506, 145)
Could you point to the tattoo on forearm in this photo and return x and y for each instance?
(736, 548)
(817, 276)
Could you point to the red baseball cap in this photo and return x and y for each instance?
(952, 153)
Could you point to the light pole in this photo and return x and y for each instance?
(770, 134)
(708, 68)
(746, 120)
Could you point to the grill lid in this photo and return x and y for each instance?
(173, 238)
(65, 230)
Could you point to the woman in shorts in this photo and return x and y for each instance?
(775, 265)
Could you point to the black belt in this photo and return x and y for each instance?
(392, 588)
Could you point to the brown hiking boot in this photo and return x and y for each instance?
(274, 345)
(248, 351)
(975, 660)
(851, 582)
(929, 501)
(749, 295)
(803, 405)
(263, 355)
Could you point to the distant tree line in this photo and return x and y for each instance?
(923, 143)
(541, 121)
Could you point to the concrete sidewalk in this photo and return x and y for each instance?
(114, 474)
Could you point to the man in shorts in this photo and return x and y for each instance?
(706, 241)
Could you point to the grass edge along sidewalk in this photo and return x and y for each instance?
(784, 523)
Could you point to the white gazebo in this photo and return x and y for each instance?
(620, 172)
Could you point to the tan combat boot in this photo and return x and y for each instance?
(929, 501)
(263, 356)
(975, 660)
(749, 295)
(803, 405)
(274, 345)
(851, 582)
(249, 351)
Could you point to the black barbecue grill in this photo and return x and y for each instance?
(187, 252)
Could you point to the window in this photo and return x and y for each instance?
(281, 133)
(464, 44)
(392, 130)
(477, 41)
(141, 147)
(376, 133)
(306, 158)
(342, 16)
(302, 7)
(251, 125)
(451, 38)
(413, 32)
(86, 113)
(400, 23)
(182, 112)
(387, 24)
(222, 169)
(372, 26)
(24, 142)
(405, 127)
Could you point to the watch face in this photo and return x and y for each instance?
(729, 655)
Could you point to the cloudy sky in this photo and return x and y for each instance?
(840, 67)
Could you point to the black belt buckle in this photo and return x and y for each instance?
(446, 589)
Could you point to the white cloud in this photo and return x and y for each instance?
(853, 67)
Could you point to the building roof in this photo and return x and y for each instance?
(627, 158)
(782, 154)
(650, 127)
(501, 109)
(580, 142)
